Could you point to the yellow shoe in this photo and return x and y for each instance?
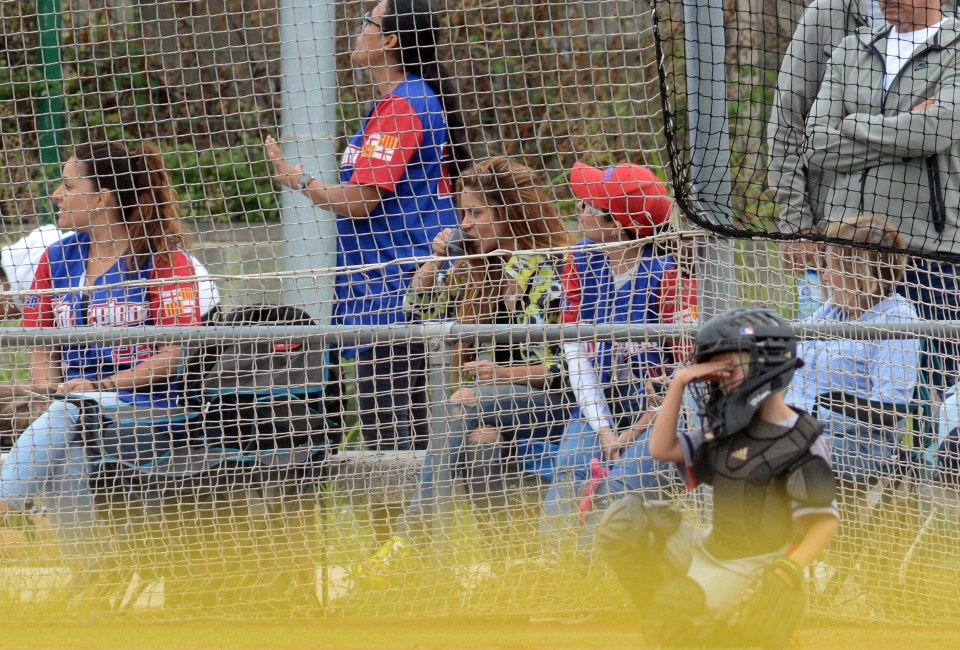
(387, 561)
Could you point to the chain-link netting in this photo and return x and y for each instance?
(403, 333)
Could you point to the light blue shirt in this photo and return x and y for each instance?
(883, 370)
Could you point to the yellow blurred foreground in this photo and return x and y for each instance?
(473, 634)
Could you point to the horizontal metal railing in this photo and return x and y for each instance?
(447, 331)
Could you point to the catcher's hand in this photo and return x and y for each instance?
(772, 605)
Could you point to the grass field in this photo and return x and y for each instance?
(388, 635)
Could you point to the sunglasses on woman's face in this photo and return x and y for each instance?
(583, 206)
(367, 19)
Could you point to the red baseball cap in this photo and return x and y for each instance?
(632, 194)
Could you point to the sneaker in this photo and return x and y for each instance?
(387, 561)
(821, 576)
(598, 472)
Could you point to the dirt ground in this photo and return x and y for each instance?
(388, 635)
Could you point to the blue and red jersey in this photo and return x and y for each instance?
(403, 148)
(108, 303)
(656, 292)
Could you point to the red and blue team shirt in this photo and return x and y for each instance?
(403, 148)
(656, 293)
(62, 270)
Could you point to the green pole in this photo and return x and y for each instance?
(49, 106)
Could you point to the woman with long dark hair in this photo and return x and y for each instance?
(392, 200)
(123, 267)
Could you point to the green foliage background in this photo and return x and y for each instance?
(546, 81)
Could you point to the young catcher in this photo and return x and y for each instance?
(740, 582)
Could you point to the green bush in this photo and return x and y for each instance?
(543, 81)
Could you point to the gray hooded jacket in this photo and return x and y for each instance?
(888, 159)
(800, 192)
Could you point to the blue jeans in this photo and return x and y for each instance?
(41, 449)
(636, 471)
(83, 537)
(515, 410)
(37, 452)
(392, 396)
(47, 459)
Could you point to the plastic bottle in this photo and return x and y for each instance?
(809, 293)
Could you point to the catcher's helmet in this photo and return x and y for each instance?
(772, 348)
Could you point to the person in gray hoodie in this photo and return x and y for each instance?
(799, 191)
(886, 124)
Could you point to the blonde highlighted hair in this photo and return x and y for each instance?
(876, 272)
(515, 195)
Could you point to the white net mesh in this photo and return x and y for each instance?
(348, 394)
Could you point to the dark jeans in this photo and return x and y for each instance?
(934, 288)
(392, 396)
(515, 410)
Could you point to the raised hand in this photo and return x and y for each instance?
(285, 173)
(440, 242)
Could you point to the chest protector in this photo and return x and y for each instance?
(752, 514)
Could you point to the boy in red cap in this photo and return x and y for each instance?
(631, 194)
(614, 275)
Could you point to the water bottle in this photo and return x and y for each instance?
(809, 294)
(457, 242)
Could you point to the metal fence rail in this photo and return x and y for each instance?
(16, 337)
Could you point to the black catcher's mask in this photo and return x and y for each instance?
(771, 348)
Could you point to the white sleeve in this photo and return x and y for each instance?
(208, 293)
(21, 259)
(586, 386)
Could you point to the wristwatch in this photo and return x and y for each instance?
(303, 181)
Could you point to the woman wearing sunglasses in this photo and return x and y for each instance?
(393, 198)
(616, 275)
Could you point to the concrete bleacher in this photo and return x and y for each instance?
(376, 477)
(244, 258)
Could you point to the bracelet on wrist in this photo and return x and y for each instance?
(303, 182)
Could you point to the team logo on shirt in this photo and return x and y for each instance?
(624, 353)
(178, 301)
(116, 313)
(31, 302)
(350, 154)
(124, 354)
(380, 147)
(62, 312)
